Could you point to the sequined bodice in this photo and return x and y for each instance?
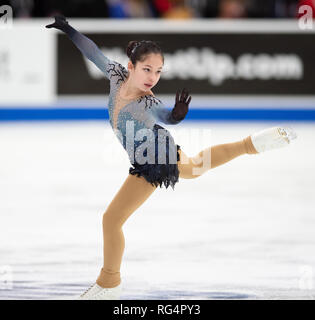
(120, 103)
(142, 111)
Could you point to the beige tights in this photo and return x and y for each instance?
(209, 158)
(136, 190)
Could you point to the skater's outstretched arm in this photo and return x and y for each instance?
(178, 113)
(88, 48)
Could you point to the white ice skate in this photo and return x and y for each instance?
(272, 138)
(96, 292)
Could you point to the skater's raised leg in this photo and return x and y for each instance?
(268, 139)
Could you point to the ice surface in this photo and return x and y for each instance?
(244, 230)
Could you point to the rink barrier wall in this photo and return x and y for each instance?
(71, 114)
(245, 55)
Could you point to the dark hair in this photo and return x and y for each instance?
(138, 50)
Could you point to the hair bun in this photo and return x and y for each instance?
(131, 46)
(138, 50)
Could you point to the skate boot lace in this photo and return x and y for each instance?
(88, 289)
(287, 133)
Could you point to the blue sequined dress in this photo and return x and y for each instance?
(151, 149)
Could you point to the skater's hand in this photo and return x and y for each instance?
(60, 23)
(181, 105)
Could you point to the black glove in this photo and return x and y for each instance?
(60, 23)
(181, 105)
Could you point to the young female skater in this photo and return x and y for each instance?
(133, 109)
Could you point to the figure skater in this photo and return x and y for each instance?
(133, 108)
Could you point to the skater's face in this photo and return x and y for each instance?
(146, 74)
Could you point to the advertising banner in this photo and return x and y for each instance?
(208, 63)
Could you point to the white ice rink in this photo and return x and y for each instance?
(245, 230)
